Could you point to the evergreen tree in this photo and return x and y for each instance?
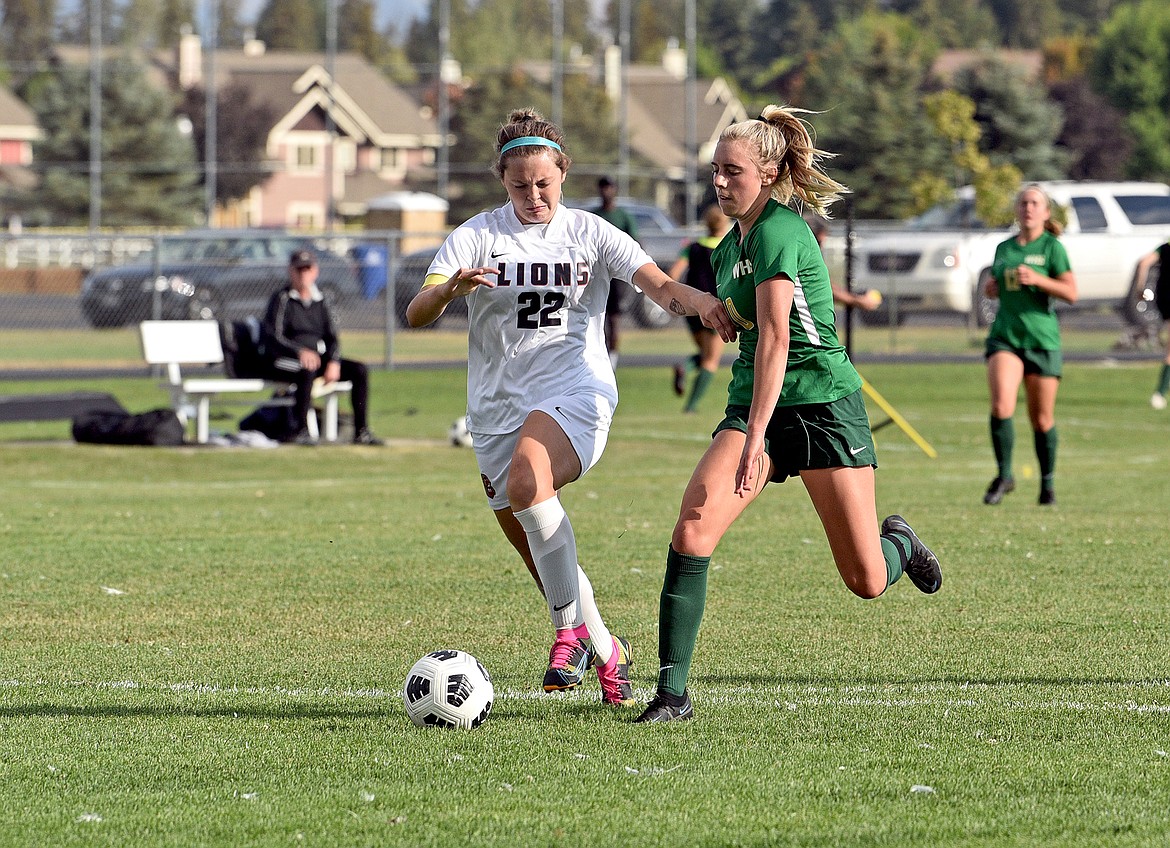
(1131, 68)
(868, 81)
(292, 25)
(173, 17)
(357, 32)
(27, 40)
(149, 175)
(138, 24)
(590, 133)
(229, 30)
(1019, 123)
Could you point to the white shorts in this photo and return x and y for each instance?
(585, 417)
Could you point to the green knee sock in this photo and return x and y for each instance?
(684, 594)
(699, 388)
(1164, 379)
(1046, 455)
(1003, 439)
(896, 549)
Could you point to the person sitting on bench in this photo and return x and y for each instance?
(302, 344)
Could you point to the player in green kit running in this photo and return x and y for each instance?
(1030, 272)
(794, 406)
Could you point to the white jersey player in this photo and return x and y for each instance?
(540, 389)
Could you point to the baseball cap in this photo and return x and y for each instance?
(302, 259)
(604, 182)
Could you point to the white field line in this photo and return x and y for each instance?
(791, 698)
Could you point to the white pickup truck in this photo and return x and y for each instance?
(936, 262)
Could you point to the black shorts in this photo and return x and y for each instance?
(812, 435)
(1046, 363)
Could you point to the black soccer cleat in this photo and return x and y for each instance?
(999, 487)
(922, 566)
(1047, 497)
(667, 707)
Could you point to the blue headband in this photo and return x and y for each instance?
(529, 140)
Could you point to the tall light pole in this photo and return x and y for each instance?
(443, 165)
(95, 114)
(623, 108)
(691, 145)
(330, 128)
(558, 62)
(211, 108)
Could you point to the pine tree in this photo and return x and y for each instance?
(27, 35)
(149, 173)
(292, 25)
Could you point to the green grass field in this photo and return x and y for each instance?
(205, 646)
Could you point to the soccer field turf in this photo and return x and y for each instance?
(205, 647)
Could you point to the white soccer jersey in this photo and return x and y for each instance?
(540, 331)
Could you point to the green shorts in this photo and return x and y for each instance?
(812, 435)
(1046, 363)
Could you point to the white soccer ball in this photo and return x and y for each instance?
(458, 433)
(448, 689)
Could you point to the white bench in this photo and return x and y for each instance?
(173, 344)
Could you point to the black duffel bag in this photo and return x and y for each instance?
(157, 427)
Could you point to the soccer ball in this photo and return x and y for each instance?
(458, 433)
(448, 689)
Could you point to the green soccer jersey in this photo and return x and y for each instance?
(1027, 316)
(780, 242)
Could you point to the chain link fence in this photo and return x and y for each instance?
(58, 287)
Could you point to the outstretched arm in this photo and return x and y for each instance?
(432, 299)
(680, 299)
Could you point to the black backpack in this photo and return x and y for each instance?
(243, 348)
(157, 427)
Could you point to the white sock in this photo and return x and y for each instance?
(554, 551)
(613, 358)
(598, 633)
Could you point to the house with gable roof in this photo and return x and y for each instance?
(344, 137)
(18, 130)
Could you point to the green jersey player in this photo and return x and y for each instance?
(794, 406)
(1030, 272)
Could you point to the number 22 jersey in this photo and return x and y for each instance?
(540, 331)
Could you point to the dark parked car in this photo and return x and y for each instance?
(221, 274)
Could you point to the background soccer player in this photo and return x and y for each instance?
(1031, 270)
(1162, 301)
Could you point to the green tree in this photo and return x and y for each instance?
(291, 25)
(1131, 67)
(229, 30)
(173, 17)
(149, 174)
(1018, 123)
(515, 31)
(590, 135)
(868, 81)
(241, 134)
(953, 117)
(27, 35)
(954, 23)
(357, 32)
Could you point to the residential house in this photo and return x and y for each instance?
(18, 130)
(333, 145)
(345, 134)
(657, 122)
